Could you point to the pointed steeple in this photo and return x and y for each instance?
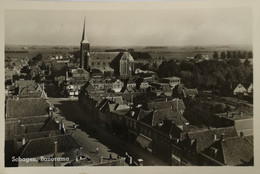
(84, 35)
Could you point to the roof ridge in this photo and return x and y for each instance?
(61, 135)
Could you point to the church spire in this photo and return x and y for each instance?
(84, 35)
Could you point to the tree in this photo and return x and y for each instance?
(239, 55)
(244, 55)
(250, 54)
(246, 62)
(234, 54)
(215, 55)
(229, 55)
(223, 55)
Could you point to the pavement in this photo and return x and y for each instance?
(90, 136)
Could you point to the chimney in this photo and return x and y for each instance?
(242, 134)
(215, 137)
(63, 128)
(101, 159)
(140, 162)
(55, 152)
(222, 137)
(23, 141)
(67, 75)
(241, 114)
(177, 105)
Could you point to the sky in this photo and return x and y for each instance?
(176, 27)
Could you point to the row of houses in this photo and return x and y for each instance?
(160, 127)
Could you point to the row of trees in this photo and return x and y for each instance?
(208, 75)
(233, 54)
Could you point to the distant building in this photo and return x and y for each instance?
(126, 64)
(173, 81)
(109, 63)
(84, 49)
(240, 89)
(230, 151)
(243, 122)
(189, 93)
(63, 146)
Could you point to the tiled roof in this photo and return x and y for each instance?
(23, 83)
(174, 104)
(25, 107)
(116, 99)
(190, 92)
(45, 146)
(205, 138)
(127, 89)
(88, 87)
(170, 127)
(127, 55)
(233, 151)
(237, 151)
(158, 116)
(36, 94)
(50, 125)
(108, 56)
(35, 135)
(137, 113)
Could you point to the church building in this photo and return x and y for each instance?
(112, 63)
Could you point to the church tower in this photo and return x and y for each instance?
(84, 49)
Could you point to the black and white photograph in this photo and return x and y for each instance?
(129, 86)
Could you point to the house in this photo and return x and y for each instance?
(172, 81)
(33, 91)
(159, 88)
(175, 104)
(239, 89)
(131, 83)
(166, 135)
(230, 151)
(25, 107)
(127, 89)
(194, 142)
(64, 147)
(72, 86)
(156, 119)
(189, 93)
(243, 122)
(107, 108)
(97, 83)
(144, 85)
(20, 84)
(250, 89)
(80, 73)
(116, 85)
(132, 124)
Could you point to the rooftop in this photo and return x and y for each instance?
(25, 107)
(235, 116)
(64, 142)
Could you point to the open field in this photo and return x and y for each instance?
(170, 52)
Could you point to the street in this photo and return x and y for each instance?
(90, 136)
